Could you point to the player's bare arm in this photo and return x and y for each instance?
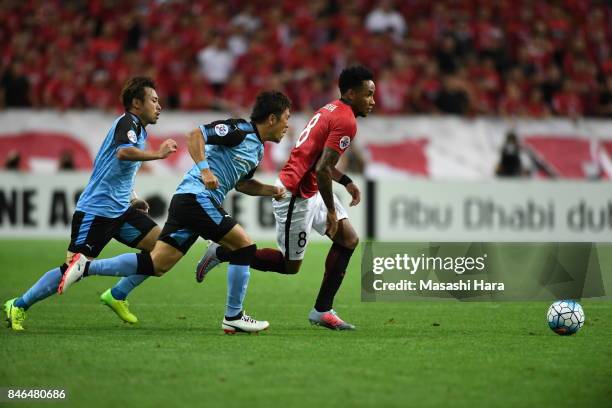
(168, 147)
(254, 187)
(324, 169)
(195, 146)
(351, 187)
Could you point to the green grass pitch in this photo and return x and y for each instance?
(423, 354)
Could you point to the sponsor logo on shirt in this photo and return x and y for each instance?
(221, 129)
(132, 136)
(345, 142)
(330, 107)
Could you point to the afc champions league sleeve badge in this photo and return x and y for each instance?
(345, 141)
(221, 129)
(132, 137)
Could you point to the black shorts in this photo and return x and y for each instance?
(194, 215)
(91, 233)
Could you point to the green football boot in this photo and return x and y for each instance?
(15, 316)
(120, 307)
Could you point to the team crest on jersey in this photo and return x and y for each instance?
(132, 136)
(345, 142)
(221, 129)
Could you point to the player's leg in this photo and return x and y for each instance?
(344, 243)
(293, 225)
(138, 230)
(89, 236)
(241, 250)
(174, 241)
(338, 257)
(212, 222)
(156, 263)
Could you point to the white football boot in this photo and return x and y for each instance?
(245, 324)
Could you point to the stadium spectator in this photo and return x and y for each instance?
(217, 62)
(454, 96)
(510, 164)
(12, 161)
(66, 161)
(314, 94)
(385, 18)
(447, 55)
(247, 18)
(512, 103)
(604, 107)
(195, 93)
(427, 89)
(15, 86)
(567, 102)
(535, 106)
(392, 92)
(55, 55)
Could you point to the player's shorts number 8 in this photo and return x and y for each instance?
(306, 132)
(302, 239)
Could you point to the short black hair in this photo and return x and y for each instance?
(269, 102)
(135, 88)
(353, 77)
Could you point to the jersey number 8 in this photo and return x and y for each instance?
(306, 132)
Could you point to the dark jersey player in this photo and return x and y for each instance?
(310, 203)
(103, 211)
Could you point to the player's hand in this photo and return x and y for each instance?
(332, 224)
(355, 193)
(279, 193)
(167, 147)
(140, 205)
(209, 179)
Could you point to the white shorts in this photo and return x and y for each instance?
(296, 217)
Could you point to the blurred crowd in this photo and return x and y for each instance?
(466, 57)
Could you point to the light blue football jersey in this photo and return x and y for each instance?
(109, 190)
(233, 150)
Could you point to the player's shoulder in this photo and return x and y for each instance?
(229, 126)
(340, 115)
(127, 121)
(338, 109)
(126, 129)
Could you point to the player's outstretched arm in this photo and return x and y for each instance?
(168, 147)
(351, 187)
(325, 167)
(195, 146)
(254, 187)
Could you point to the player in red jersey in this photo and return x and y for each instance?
(310, 203)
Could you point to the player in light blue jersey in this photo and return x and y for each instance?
(103, 211)
(226, 154)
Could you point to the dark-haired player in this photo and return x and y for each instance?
(103, 211)
(226, 154)
(310, 202)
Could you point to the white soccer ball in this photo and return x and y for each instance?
(565, 317)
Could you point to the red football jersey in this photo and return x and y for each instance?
(332, 126)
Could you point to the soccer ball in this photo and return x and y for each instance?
(565, 317)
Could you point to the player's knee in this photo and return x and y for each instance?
(148, 266)
(243, 256)
(147, 246)
(160, 267)
(351, 241)
(160, 270)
